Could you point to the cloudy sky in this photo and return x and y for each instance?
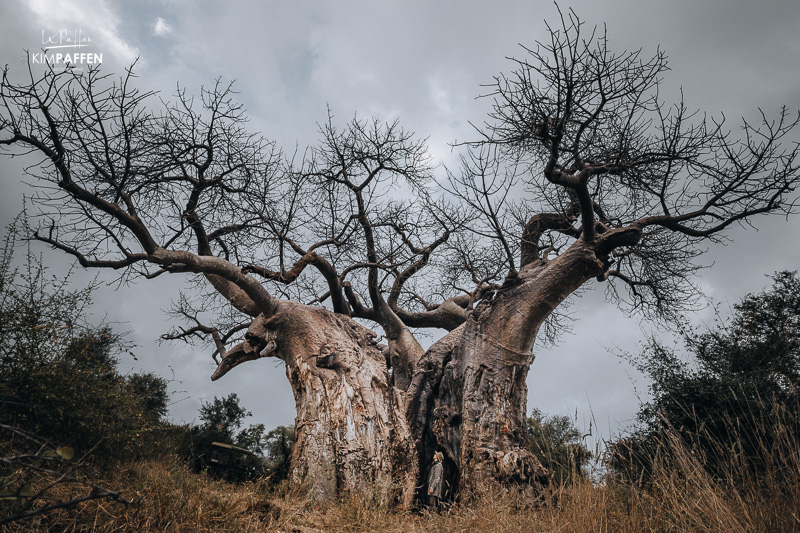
(423, 62)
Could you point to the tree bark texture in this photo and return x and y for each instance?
(365, 427)
(469, 396)
(350, 429)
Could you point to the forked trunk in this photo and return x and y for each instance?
(360, 429)
(483, 397)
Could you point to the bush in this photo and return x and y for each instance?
(558, 445)
(734, 397)
(58, 373)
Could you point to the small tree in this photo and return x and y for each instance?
(736, 393)
(58, 373)
(223, 416)
(559, 446)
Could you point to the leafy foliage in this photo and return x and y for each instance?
(742, 376)
(59, 376)
(223, 416)
(557, 443)
(278, 448)
(222, 419)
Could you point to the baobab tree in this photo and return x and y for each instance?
(581, 174)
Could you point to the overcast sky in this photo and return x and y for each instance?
(423, 62)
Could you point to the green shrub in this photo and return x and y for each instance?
(58, 373)
(558, 445)
(735, 395)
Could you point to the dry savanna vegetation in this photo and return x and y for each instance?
(586, 172)
(716, 449)
(680, 496)
(334, 261)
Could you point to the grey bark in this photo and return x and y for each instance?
(351, 434)
(468, 396)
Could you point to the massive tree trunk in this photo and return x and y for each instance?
(350, 429)
(364, 426)
(469, 396)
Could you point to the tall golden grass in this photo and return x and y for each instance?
(752, 493)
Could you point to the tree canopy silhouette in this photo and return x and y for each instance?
(581, 172)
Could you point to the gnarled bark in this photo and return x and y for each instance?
(350, 429)
(468, 397)
(360, 429)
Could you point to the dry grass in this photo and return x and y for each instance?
(681, 497)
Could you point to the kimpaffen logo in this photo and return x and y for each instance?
(66, 48)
